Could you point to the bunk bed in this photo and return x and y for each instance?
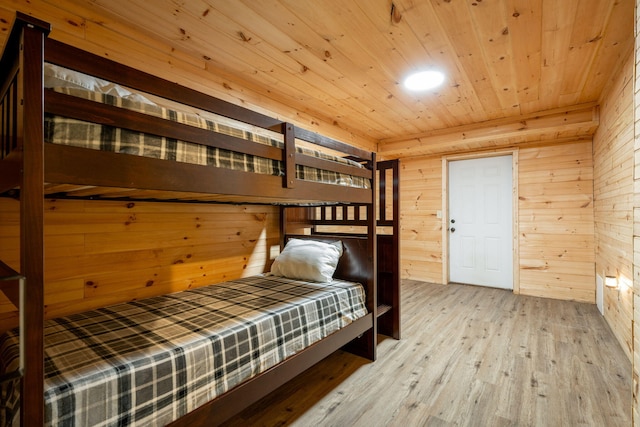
(192, 156)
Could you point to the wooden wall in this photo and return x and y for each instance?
(556, 231)
(613, 205)
(102, 252)
(421, 229)
(636, 224)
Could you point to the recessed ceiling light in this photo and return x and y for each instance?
(424, 80)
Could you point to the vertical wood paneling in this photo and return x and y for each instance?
(636, 224)
(556, 221)
(613, 204)
(104, 252)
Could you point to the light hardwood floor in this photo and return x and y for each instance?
(469, 356)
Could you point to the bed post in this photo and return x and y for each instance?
(371, 337)
(289, 155)
(389, 252)
(31, 138)
(366, 345)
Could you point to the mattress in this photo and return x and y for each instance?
(66, 131)
(151, 361)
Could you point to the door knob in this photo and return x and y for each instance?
(453, 229)
(453, 221)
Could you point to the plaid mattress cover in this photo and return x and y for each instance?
(151, 361)
(66, 131)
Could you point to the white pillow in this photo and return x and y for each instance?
(308, 260)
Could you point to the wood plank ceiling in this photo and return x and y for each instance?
(344, 61)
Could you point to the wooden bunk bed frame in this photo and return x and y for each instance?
(33, 170)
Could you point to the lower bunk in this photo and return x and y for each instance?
(194, 357)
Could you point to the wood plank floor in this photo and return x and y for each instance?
(468, 356)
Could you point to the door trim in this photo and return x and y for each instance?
(514, 210)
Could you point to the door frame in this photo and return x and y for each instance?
(514, 209)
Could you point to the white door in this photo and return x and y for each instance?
(480, 222)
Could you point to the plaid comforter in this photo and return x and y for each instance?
(151, 361)
(62, 130)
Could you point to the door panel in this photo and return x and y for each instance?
(480, 222)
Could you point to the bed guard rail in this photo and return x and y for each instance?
(9, 278)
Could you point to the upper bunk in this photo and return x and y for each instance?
(106, 130)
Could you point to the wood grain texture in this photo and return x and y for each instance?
(338, 69)
(571, 123)
(562, 53)
(87, 26)
(636, 223)
(555, 223)
(613, 192)
(32, 256)
(556, 219)
(421, 230)
(469, 356)
(99, 253)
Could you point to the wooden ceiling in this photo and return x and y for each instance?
(344, 61)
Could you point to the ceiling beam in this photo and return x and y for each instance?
(562, 124)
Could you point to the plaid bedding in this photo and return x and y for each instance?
(62, 130)
(151, 361)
